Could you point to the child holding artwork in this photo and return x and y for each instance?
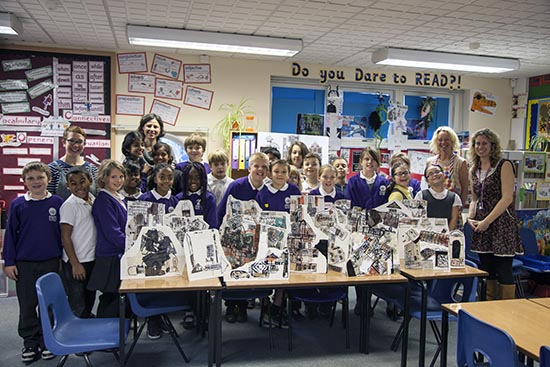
(327, 188)
(195, 146)
(195, 189)
(275, 196)
(218, 181)
(367, 189)
(78, 236)
(312, 162)
(341, 166)
(162, 153)
(32, 248)
(399, 186)
(160, 187)
(132, 185)
(110, 215)
(442, 203)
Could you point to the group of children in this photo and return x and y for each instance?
(88, 233)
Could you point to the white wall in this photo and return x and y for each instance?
(235, 78)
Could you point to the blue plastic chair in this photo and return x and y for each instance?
(70, 334)
(159, 304)
(544, 360)
(320, 295)
(477, 337)
(442, 291)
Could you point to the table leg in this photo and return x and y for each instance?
(444, 338)
(424, 306)
(366, 316)
(218, 327)
(362, 300)
(483, 288)
(405, 336)
(122, 328)
(212, 328)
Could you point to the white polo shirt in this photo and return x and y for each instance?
(78, 213)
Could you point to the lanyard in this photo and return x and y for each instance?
(480, 203)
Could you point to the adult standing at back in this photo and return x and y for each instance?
(491, 214)
(74, 140)
(445, 145)
(151, 128)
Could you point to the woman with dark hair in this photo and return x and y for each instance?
(74, 141)
(151, 129)
(491, 214)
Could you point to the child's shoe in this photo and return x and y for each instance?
(29, 354)
(46, 354)
(153, 330)
(242, 315)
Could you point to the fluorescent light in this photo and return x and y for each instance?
(212, 41)
(443, 60)
(9, 24)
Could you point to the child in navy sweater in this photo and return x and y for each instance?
(110, 215)
(32, 248)
(367, 189)
(275, 196)
(327, 187)
(160, 187)
(195, 189)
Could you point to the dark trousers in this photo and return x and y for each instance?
(81, 299)
(108, 305)
(498, 267)
(29, 323)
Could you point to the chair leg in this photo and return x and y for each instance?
(397, 339)
(62, 360)
(134, 342)
(173, 335)
(87, 360)
(332, 313)
(437, 335)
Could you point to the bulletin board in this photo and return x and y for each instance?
(41, 93)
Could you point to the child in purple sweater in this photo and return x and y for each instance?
(275, 196)
(32, 248)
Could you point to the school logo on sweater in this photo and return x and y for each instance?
(53, 215)
(382, 190)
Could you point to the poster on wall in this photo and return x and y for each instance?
(135, 62)
(198, 97)
(484, 102)
(166, 66)
(167, 111)
(309, 124)
(315, 144)
(197, 73)
(170, 89)
(130, 105)
(141, 83)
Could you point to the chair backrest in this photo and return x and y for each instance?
(453, 290)
(544, 360)
(467, 243)
(529, 241)
(476, 336)
(52, 300)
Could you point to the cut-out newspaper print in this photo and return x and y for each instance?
(142, 214)
(424, 243)
(156, 253)
(203, 254)
(457, 249)
(371, 253)
(304, 236)
(338, 237)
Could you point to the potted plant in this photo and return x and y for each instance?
(232, 120)
(540, 142)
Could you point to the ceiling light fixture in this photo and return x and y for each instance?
(443, 60)
(212, 41)
(9, 24)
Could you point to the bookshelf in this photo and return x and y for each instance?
(243, 144)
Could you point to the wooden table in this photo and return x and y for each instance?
(543, 302)
(173, 284)
(526, 321)
(422, 276)
(330, 279)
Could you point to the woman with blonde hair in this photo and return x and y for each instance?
(445, 145)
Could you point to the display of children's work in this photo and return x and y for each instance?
(156, 252)
(142, 214)
(315, 144)
(304, 239)
(332, 221)
(254, 242)
(457, 248)
(372, 253)
(203, 254)
(425, 243)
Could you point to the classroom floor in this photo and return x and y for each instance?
(314, 344)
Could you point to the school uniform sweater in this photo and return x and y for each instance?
(180, 166)
(110, 217)
(328, 197)
(32, 230)
(272, 199)
(361, 195)
(170, 201)
(208, 210)
(240, 189)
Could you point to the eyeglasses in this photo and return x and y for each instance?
(75, 142)
(401, 174)
(431, 174)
